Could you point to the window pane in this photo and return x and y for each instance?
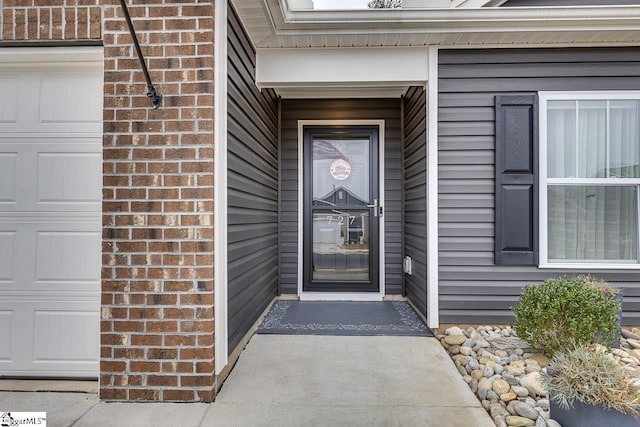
(593, 223)
(592, 139)
(561, 139)
(624, 139)
(341, 173)
(341, 245)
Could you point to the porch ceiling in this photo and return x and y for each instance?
(273, 24)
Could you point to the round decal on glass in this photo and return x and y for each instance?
(340, 169)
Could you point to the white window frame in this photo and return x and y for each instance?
(543, 181)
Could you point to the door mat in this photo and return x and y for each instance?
(343, 318)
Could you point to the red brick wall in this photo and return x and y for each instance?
(157, 277)
(35, 20)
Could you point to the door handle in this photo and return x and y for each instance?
(374, 206)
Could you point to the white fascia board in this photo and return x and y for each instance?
(458, 19)
(341, 66)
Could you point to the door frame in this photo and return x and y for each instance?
(336, 296)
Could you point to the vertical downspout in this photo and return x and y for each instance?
(221, 337)
(433, 315)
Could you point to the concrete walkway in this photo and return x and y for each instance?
(293, 380)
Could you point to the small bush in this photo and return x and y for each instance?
(591, 375)
(561, 313)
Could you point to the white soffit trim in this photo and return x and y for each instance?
(221, 342)
(460, 19)
(390, 70)
(273, 24)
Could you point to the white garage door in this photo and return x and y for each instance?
(50, 196)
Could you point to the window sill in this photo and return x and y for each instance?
(589, 266)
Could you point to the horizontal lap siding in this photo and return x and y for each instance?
(252, 158)
(415, 188)
(472, 288)
(340, 109)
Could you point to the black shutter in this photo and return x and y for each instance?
(516, 239)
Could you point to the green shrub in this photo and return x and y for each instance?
(591, 375)
(561, 313)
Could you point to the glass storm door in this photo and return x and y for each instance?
(341, 209)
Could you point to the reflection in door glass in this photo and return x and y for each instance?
(341, 245)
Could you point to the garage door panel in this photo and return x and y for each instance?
(50, 177)
(49, 102)
(9, 100)
(67, 256)
(8, 162)
(64, 342)
(65, 336)
(62, 254)
(63, 100)
(68, 178)
(7, 256)
(6, 337)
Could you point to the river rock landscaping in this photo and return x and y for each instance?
(504, 372)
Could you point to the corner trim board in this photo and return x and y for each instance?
(221, 337)
(433, 314)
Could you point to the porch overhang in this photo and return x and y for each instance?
(275, 24)
(347, 72)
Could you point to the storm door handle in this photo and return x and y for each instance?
(374, 206)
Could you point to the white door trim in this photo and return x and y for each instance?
(337, 296)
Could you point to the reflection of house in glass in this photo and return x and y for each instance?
(627, 171)
(341, 236)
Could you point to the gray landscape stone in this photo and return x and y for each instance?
(540, 422)
(526, 411)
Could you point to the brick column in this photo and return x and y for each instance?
(157, 276)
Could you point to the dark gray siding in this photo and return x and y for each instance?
(472, 288)
(252, 188)
(341, 109)
(526, 3)
(415, 194)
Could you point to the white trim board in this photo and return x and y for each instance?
(433, 313)
(330, 296)
(341, 68)
(36, 56)
(543, 180)
(341, 72)
(221, 337)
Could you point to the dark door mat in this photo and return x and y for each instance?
(343, 318)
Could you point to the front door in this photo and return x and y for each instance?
(341, 209)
